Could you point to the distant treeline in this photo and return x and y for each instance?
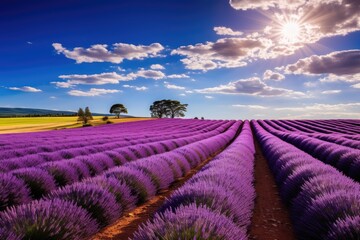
(38, 115)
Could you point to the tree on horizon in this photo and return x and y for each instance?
(168, 108)
(117, 109)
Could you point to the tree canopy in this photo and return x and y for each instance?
(84, 116)
(117, 109)
(168, 108)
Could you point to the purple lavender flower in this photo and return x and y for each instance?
(37, 180)
(51, 219)
(13, 191)
(190, 222)
(62, 172)
(347, 228)
(121, 191)
(100, 203)
(139, 182)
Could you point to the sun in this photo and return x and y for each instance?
(290, 31)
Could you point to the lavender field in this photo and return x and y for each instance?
(74, 183)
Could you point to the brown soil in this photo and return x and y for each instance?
(125, 227)
(270, 220)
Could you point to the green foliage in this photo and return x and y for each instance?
(117, 109)
(168, 108)
(85, 116)
(88, 114)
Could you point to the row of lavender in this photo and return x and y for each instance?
(17, 145)
(338, 127)
(344, 158)
(79, 210)
(25, 184)
(324, 204)
(216, 203)
(350, 139)
(64, 151)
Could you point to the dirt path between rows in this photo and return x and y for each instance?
(270, 219)
(125, 227)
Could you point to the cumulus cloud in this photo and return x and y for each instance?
(25, 89)
(177, 76)
(118, 52)
(143, 88)
(224, 53)
(92, 79)
(173, 86)
(331, 92)
(227, 31)
(335, 66)
(157, 67)
(255, 107)
(338, 63)
(93, 92)
(106, 78)
(270, 75)
(252, 86)
(153, 74)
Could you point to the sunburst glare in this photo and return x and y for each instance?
(290, 31)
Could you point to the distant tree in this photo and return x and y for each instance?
(117, 109)
(168, 108)
(88, 114)
(80, 114)
(105, 118)
(84, 116)
(158, 109)
(202, 118)
(196, 118)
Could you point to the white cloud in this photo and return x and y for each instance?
(356, 85)
(93, 79)
(255, 107)
(270, 75)
(209, 97)
(252, 86)
(177, 76)
(53, 97)
(28, 42)
(224, 53)
(189, 91)
(92, 92)
(173, 86)
(227, 31)
(119, 52)
(336, 66)
(338, 63)
(182, 94)
(349, 78)
(25, 89)
(153, 74)
(106, 78)
(157, 67)
(143, 88)
(331, 92)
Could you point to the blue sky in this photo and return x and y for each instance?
(227, 60)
